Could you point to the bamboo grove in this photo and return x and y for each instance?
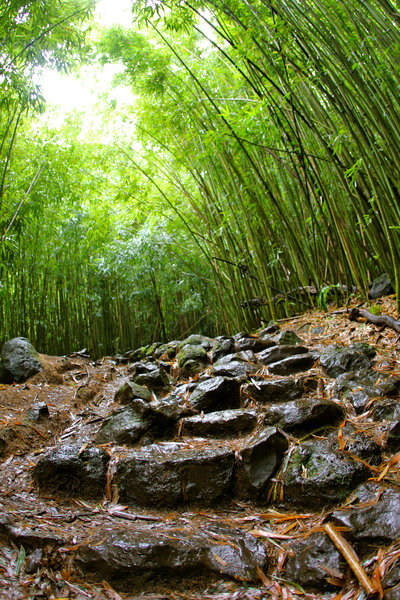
(260, 157)
(291, 136)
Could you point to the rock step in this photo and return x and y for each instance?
(127, 551)
(168, 473)
(126, 555)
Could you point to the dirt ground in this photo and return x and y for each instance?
(67, 402)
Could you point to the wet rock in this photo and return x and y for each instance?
(257, 460)
(357, 443)
(38, 411)
(225, 423)
(176, 404)
(150, 375)
(124, 426)
(73, 471)
(392, 593)
(33, 561)
(288, 338)
(192, 358)
(19, 361)
(222, 347)
(392, 580)
(307, 559)
(276, 390)
(172, 474)
(21, 534)
(319, 475)
(317, 330)
(240, 335)
(168, 350)
(278, 353)
(303, 413)
(238, 365)
(294, 364)
(142, 352)
(365, 384)
(197, 340)
(387, 412)
(124, 556)
(337, 360)
(381, 286)
(254, 344)
(215, 394)
(270, 329)
(374, 515)
(130, 390)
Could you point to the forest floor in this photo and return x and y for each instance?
(78, 394)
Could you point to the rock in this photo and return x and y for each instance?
(320, 475)
(381, 286)
(130, 390)
(365, 384)
(215, 394)
(224, 423)
(358, 444)
(23, 535)
(303, 413)
(3, 446)
(167, 351)
(276, 390)
(19, 361)
(288, 338)
(238, 365)
(294, 364)
(392, 580)
(240, 335)
(337, 360)
(254, 344)
(127, 425)
(33, 561)
(307, 559)
(278, 353)
(392, 593)
(38, 411)
(257, 460)
(73, 471)
(270, 329)
(149, 374)
(125, 556)
(172, 474)
(192, 358)
(387, 412)
(222, 347)
(374, 515)
(123, 426)
(176, 404)
(143, 352)
(197, 340)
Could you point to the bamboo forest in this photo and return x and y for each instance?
(254, 170)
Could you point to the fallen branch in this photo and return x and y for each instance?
(379, 320)
(352, 559)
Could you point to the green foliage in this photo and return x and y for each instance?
(260, 156)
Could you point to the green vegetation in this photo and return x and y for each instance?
(259, 156)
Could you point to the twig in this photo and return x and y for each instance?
(352, 559)
(132, 517)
